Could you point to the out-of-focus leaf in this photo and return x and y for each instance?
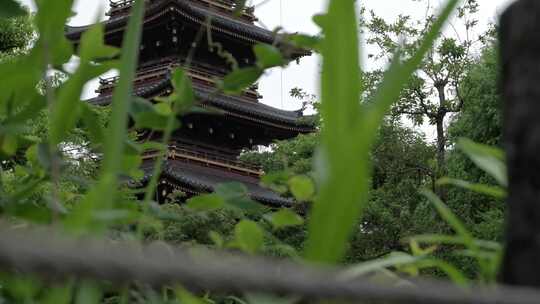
(496, 192)
(284, 218)
(306, 41)
(302, 188)
(344, 180)
(240, 79)
(184, 97)
(102, 196)
(236, 196)
(206, 202)
(449, 217)
(454, 240)
(88, 293)
(489, 159)
(343, 164)
(268, 56)
(146, 115)
(248, 236)
(392, 260)
(91, 121)
(187, 297)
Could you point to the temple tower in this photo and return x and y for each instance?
(204, 151)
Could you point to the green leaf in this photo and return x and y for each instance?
(268, 56)
(392, 260)
(102, 196)
(67, 108)
(306, 41)
(206, 202)
(184, 96)
(489, 159)
(343, 164)
(302, 188)
(187, 297)
(248, 236)
(454, 240)
(284, 218)
(449, 217)
(92, 45)
(344, 177)
(240, 79)
(149, 116)
(236, 196)
(163, 109)
(88, 293)
(216, 238)
(10, 9)
(405, 263)
(496, 192)
(91, 120)
(231, 190)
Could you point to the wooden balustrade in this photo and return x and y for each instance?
(208, 159)
(145, 75)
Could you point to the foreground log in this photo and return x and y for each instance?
(57, 257)
(520, 54)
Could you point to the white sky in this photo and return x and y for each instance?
(296, 17)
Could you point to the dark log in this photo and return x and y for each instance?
(56, 257)
(520, 54)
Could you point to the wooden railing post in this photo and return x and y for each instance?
(520, 55)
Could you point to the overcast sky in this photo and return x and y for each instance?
(296, 16)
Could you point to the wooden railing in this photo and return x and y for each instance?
(208, 159)
(197, 74)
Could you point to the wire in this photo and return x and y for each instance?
(281, 70)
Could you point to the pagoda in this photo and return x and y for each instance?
(205, 151)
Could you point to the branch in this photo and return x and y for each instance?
(163, 265)
(461, 101)
(410, 112)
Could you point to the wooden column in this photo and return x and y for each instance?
(520, 55)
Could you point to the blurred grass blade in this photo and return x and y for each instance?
(343, 163)
(449, 217)
(116, 134)
(487, 158)
(103, 195)
(453, 240)
(493, 191)
(343, 175)
(392, 260)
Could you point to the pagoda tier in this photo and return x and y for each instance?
(171, 26)
(194, 174)
(204, 151)
(233, 121)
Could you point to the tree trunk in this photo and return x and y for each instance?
(441, 140)
(520, 56)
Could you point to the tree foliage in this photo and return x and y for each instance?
(434, 91)
(15, 35)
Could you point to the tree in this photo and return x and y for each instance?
(481, 121)
(434, 91)
(15, 35)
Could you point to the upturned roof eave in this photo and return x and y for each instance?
(195, 14)
(229, 105)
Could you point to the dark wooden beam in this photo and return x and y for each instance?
(520, 55)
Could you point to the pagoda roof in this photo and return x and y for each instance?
(200, 179)
(237, 106)
(190, 12)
